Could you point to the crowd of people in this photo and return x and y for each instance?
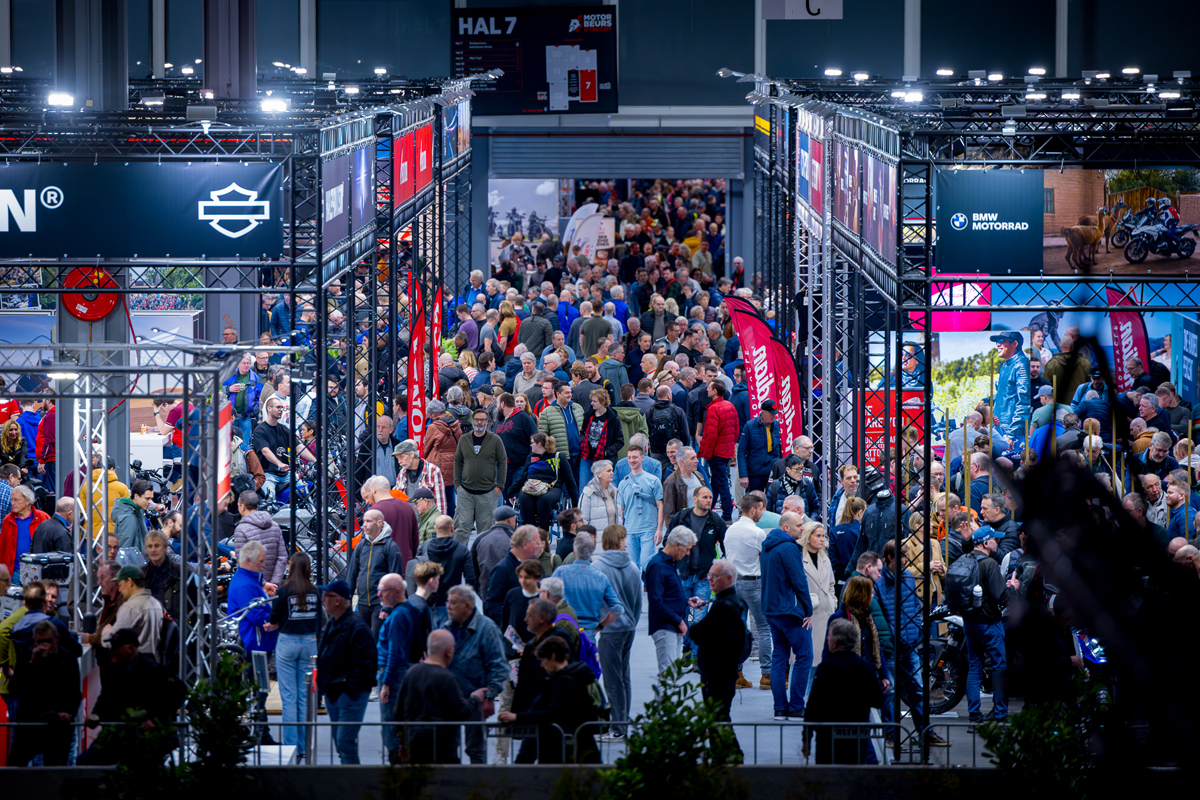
(588, 460)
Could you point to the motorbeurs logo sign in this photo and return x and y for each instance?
(986, 222)
(591, 22)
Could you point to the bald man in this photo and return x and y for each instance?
(400, 632)
(431, 693)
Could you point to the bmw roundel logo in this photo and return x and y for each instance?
(959, 221)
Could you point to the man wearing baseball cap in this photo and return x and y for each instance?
(1011, 407)
(345, 667)
(758, 448)
(1048, 410)
(139, 612)
(984, 627)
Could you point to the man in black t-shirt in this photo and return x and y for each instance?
(272, 440)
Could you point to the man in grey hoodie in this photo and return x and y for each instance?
(616, 640)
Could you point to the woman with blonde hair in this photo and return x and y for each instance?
(510, 326)
(13, 447)
(818, 570)
(916, 549)
(466, 360)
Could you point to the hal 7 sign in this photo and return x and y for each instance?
(556, 60)
(112, 210)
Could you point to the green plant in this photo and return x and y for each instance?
(404, 782)
(146, 767)
(1047, 746)
(677, 748)
(217, 708)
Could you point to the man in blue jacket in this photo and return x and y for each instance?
(665, 598)
(398, 635)
(759, 448)
(479, 661)
(788, 608)
(1012, 408)
(243, 389)
(245, 587)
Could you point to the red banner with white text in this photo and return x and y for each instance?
(770, 370)
(1128, 336)
(437, 327)
(416, 364)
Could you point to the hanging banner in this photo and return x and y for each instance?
(970, 293)
(402, 166)
(594, 234)
(363, 211)
(581, 213)
(770, 370)
(416, 364)
(424, 156)
(1128, 336)
(225, 432)
(816, 175)
(437, 327)
(335, 201)
(1185, 347)
(124, 210)
(879, 428)
(990, 221)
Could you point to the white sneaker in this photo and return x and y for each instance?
(499, 759)
(374, 698)
(781, 716)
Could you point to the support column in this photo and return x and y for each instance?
(912, 37)
(308, 37)
(1061, 13)
(5, 33)
(230, 49)
(236, 309)
(158, 37)
(91, 54)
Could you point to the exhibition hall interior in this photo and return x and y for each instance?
(601, 399)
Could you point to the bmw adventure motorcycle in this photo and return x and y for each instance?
(1151, 238)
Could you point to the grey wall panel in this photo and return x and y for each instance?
(278, 34)
(870, 37)
(185, 35)
(525, 155)
(33, 38)
(407, 37)
(139, 38)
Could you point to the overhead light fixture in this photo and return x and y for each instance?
(351, 90)
(833, 72)
(1037, 70)
(300, 70)
(275, 105)
(1070, 95)
(395, 91)
(186, 70)
(199, 60)
(1103, 76)
(18, 69)
(1169, 95)
(207, 94)
(6, 70)
(898, 93)
(277, 63)
(153, 99)
(861, 76)
(913, 97)
(945, 73)
(1130, 71)
(62, 376)
(1035, 96)
(995, 76)
(60, 99)
(380, 71)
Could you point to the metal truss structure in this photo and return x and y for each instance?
(869, 312)
(366, 276)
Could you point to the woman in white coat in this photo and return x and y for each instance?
(818, 570)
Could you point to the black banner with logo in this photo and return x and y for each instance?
(114, 210)
(989, 221)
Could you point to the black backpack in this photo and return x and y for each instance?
(961, 579)
(242, 483)
(662, 428)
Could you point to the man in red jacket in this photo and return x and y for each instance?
(17, 529)
(719, 443)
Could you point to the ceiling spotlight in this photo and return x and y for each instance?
(1169, 95)
(898, 93)
(207, 94)
(995, 76)
(395, 91)
(945, 73)
(1130, 71)
(6, 70)
(199, 61)
(187, 70)
(18, 69)
(277, 63)
(60, 99)
(833, 72)
(300, 70)
(380, 71)
(913, 97)
(1035, 96)
(351, 90)
(1037, 70)
(153, 99)
(1070, 95)
(861, 76)
(274, 105)
(1103, 76)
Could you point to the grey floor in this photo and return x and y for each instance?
(763, 740)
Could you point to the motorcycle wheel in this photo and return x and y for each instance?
(1186, 248)
(1120, 238)
(947, 681)
(1136, 251)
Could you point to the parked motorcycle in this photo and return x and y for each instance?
(1131, 222)
(948, 663)
(1151, 238)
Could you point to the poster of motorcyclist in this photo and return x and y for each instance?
(525, 206)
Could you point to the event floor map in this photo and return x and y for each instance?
(572, 75)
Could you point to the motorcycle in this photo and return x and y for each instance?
(1151, 238)
(948, 664)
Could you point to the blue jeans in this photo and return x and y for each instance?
(585, 473)
(908, 681)
(246, 426)
(641, 548)
(347, 708)
(986, 636)
(49, 478)
(788, 636)
(720, 485)
(695, 587)
(387, 713)
(293, 655)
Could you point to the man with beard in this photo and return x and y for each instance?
(1157, 512)
(1036, 381)
(1156, 459)
(480, 470)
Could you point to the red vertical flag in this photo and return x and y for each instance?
(416, 364)
(1128, 337)
(437, 327)
(770, 370)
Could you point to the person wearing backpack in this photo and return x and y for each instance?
(665, 422)
(721, 638)
(975, 588)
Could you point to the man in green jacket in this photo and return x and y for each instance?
(129, 514)
(555, 418)
(632, 419)
(427, 513)
(480, 467)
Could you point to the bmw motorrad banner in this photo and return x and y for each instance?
(123, 210)
(770, 370)
(989, 221)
